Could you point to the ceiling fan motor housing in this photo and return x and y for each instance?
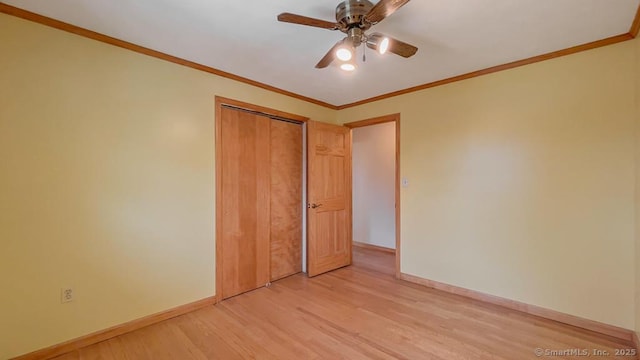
(351, 14)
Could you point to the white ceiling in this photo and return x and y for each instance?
(243, 37)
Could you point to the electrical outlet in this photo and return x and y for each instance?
(66, 295)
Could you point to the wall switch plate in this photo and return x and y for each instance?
(66, 295)
(405, 182)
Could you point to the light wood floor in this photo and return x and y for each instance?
(358, 312)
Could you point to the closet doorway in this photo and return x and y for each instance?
(259, 201)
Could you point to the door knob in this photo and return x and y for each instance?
(313, 206)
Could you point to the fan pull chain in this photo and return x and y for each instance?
(364, 53)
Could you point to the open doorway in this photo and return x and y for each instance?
(376, 190)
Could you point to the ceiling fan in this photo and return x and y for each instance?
(354, 18)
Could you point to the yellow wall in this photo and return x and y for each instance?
(522, 183)
(107, 183)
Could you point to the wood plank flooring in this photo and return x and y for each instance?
(357, 312)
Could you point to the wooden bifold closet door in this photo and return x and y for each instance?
(260, 229)
(286, 199)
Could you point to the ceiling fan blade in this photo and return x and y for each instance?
(329, 56)
(399, 47)
(303, 20)
(383, 9)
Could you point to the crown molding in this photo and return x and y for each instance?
(494, 69)
(27, 15)
(57, 24)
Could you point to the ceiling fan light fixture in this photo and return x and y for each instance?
(348, 66)
(383, 46)
(378, 42)
(344, 54)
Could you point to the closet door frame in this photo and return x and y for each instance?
(219, 103)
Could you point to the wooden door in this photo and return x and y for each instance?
(245, 202)
(329, 197)
(286, 199)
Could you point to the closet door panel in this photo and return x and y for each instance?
(245, 201)
(286, 199)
